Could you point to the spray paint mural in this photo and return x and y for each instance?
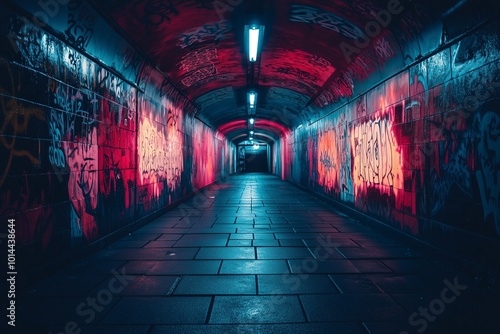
(160, 151)
(421, 147)
(334, 162)
(204, 156)
(86, 152)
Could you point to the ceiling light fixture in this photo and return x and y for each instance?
(253, 46)
(252, 97)
(254, 35)
(251, 120)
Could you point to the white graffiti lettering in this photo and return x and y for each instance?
(160, 155)
(198, 59)
(373, 152)
(383, 49)
(153, 149)
(200, 74)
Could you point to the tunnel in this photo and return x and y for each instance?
(239, 166)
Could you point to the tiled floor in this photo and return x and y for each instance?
(254, 254)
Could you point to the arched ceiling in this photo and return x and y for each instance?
(264, 129)
(309, 56)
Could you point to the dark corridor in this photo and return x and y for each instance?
(256, 160)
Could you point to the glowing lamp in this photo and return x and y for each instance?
(253, 43)
(253, 35)
(252, 97)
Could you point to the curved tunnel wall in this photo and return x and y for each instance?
(418, 151)
(92, 139)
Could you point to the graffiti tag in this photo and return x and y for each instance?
(199, 75)
(373, 152)
(208, 32)
(325, 19)
(197, 59)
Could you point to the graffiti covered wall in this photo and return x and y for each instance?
(419, 150)
(84, 151)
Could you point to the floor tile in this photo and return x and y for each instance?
(209, 240)
(185, 267)
(180, 253)
(129, 244)
(131, 254)
(150, 286)
(256, 309)
(311, 265)
(295, 284)
(159, 310)
(267, 253)
(240, 242)
(355, 284)
(169, 236)
(226, 253)
(160, 244)
(377, 252)
(344, 307)
(254, 267)
(138, 267)
(217, 285)
(370, 266)
(265, 243)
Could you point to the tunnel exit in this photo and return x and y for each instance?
(254, 157)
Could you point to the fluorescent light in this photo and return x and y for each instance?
(251, 99)
(251, 138)
(299, 126)
(253, 43)
(256, 147)
(251, 132)
(251, 120)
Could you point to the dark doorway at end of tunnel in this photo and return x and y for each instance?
(256, 158)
